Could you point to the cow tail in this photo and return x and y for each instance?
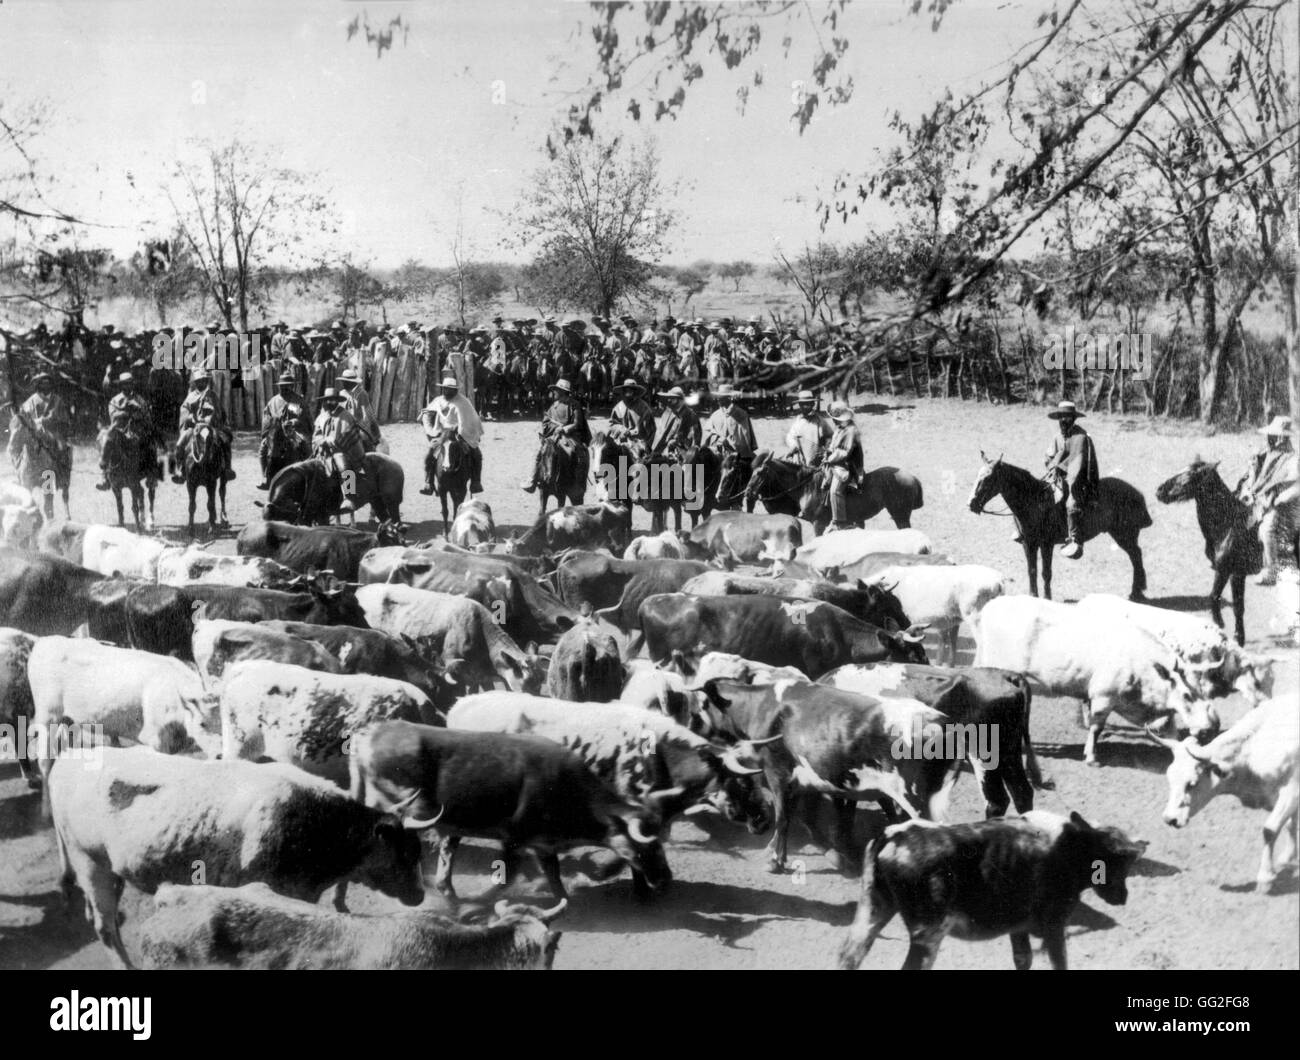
(857, 942)
(1032, 769)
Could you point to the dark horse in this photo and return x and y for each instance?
(129, 461)
(447, 466)
(655, 486)
(1231, 543)
(308, 494)
(285, 446)
(564, 475)
(789, 488)
(1119, 510)
(202, 465)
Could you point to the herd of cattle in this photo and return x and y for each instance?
(330, 703)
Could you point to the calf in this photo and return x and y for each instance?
(811, 636)
(943, 598)
(473, 525)
(597, 580)
(993, 707)
(604, 525)
(744, 537)
(585, 666)
(871, 603)
(219, 645)
(1257, 760)
(328, 602)
(308, 549)
(665, 545)
(456, 628)
(845, 548)
(113, 550)
(1016, 876)
(253, 927)
(253, 572)
(271, 711)
(527, 792)
(16, 707)
(1108, 663)
(149, 819)
(852, 748)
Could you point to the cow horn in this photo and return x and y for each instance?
(731, 760)
(415, 825)
(402, 806)
(547, 915)
(636, 834)
(1195, 750)
(1161, 740)
(765, 742)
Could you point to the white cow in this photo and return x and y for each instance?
(12, 493)
(1258, 760)
(1107, 662)
(19, 525)
(666, 545)
(943, 598)
(842, 548)
(272, 710)
(137, 696)
(114, 550)
(473, 527)
(1218, 665)
(197, 564)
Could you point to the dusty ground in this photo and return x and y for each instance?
(1191, 905)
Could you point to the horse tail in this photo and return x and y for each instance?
(918, 496)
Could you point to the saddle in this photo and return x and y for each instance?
(451, 452)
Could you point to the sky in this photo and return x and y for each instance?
(452, 123)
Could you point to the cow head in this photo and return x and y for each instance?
(632, 832)
(1191, 712)
(338, 599)
(738, 795)
(1103, 855)
(1193, 777)
(392, 860)
(526, 672)
(390, 532)
(881, 606)
(1250, 675)
(905, 645)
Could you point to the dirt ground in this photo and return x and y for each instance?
(1191, 902)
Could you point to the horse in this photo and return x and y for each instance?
(653, 486)
(621, 366)
(789, 488)
(1232, 544)
(564, 475)
(1118, 509)
(520, 372)
(447, 465)
(591, 381)
(128, 461)
(202, 465)
(733, 478)
(308, 493)
(284, 446)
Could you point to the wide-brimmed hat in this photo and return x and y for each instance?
(450, 382)
(724, 390)
(631, 384)
(329, 394)
(1280, 425)
(675, 392)
(42, 377)
(348, 375)
(841, 414)
(561, 385)
(338, 325)
(1064, 409)
(805, 397)
(577, 325)
(199, 373)
(126, 377)
(287, 379)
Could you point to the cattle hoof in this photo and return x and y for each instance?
(34, 783)
(1265, 884)
(1092, 762)
(776, 868)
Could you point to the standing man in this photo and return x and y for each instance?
(357, 402)
(450, 412)
(1072, 468)
(199, 405)
(335, 438)
(565, 425)
(728, 431)
(289, 410)
(809, 432)
(843, 458)
(1271, 489)
(40, 445)
(632, 421)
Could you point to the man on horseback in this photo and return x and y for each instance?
(678, 430)
(728, 430)
(450, 415)
(201, 406)
(843, 460)
(565, 425)
(336, 440)
(128, 403)
(357, 402)
(288, 410)
(1270, 489)
(809, 432)
(632, 421)
(39, 442)
(1072, 472)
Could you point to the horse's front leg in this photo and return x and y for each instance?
(221, 486)
(1031, 564)
(1216, 595)
(194, 501)
(212, 509)
(1239, 606)
(1046, 551)
(149, 518)
(121, 513)
(446, 525)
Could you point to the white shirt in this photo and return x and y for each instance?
(455, 413)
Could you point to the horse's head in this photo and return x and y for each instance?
(1188, 483)
(988, 483)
